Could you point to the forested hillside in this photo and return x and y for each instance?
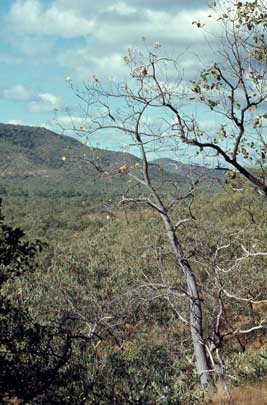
(101, 310)
(32, 163)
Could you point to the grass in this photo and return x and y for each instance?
(253, 394)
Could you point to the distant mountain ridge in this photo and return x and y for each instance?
(31, 163)
(188, 169)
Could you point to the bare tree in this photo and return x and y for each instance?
(149, 111)
(234, 89)
(126, 108)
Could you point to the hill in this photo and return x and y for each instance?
(190, 170)
(32, 164)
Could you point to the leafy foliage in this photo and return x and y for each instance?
(118, 274)
(31, 354)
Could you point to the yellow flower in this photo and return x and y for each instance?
(157, 44)
(63, 158)
(138, 165)
(124, 169)
(68, 78)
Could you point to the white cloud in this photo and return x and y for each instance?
(31, 17)
(44, 102)
(105, 46)
(69, 121)
(103, 31)
(36, 103)
(155, 25)
(16, 122)
(122, 9)
(85, 64)
(15, 93)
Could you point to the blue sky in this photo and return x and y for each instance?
(43, 41)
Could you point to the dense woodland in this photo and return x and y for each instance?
(92, 310)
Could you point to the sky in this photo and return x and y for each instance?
(45, 41)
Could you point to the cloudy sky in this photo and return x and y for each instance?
(43, 41)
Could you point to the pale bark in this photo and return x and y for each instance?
(196, 315)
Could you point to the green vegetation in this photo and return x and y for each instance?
(31, 353)
(110, 277)
(147, 288)
(32, 165)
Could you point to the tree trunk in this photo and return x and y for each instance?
(196, 321)
(196, 315)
